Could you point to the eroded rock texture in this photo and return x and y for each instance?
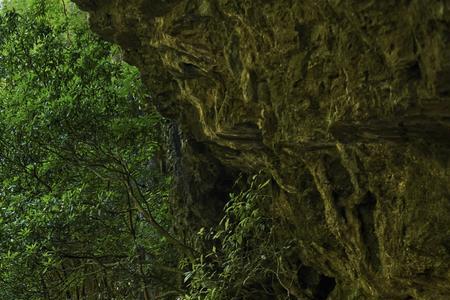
(345, 103)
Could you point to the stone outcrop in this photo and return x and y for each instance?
(346, 104)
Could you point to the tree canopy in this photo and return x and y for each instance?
(82, 204)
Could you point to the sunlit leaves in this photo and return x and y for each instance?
(73, 129)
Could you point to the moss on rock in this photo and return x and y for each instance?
(344, 103)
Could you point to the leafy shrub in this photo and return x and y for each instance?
(245, 259)
(80, 202)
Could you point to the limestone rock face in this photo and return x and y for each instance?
(345, 103)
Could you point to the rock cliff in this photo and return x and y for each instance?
(346, 104)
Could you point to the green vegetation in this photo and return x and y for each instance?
(83, 211)
(246, 260)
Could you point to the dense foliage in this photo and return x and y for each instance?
(246, 260)
(83, 210)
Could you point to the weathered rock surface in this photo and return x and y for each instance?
(345, 103)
